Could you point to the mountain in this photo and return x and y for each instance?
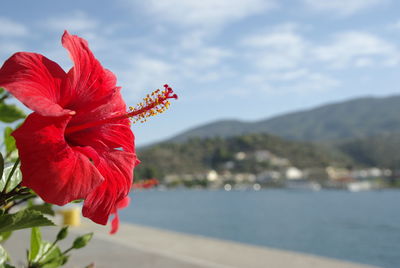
(357, 118)
(378, 151)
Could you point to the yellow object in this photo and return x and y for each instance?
(71, 216)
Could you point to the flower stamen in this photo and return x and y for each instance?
(153, 104)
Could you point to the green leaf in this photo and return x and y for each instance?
(15, 179)
(1, 166)
(26, 218)
(77, 201)
(48, 256)
(4, 236)
(36, 242)
(3, 256)
(45, 208)
(1, 90)
(82, 241)
(54, 258)
(9, 140)
(10, 113)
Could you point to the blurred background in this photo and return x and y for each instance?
(287, 129)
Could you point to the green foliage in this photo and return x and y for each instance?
(26, 218)
(199, 155)
(4, 236)
(9, 140)
(44, 208)
(53, 257)
(11, 177)
(378, 151)
(36, 241)
(42, 253)
(10, 113)
(3, 256)
(1, 166)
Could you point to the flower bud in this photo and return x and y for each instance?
(82, 241)
(62, 233)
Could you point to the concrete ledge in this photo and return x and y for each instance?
(143, 247)
(196, 251)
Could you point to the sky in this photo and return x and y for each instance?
(226, 59)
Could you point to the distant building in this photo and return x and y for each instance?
(335, 173)
(240, 156)
(268, 176)
(212, 176)
(262, 155)
(293, 173)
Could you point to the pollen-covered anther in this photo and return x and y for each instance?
(153, 104)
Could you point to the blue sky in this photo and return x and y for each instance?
(226, 59)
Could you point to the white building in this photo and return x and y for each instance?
(293, 173)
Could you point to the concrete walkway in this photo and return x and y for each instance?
(142, 247)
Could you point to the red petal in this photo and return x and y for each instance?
(117, 170)
(108, 136)
(115, 221)
(115, 224)
(35, 81)
(124, 203)
(57, 172)
(91, 84)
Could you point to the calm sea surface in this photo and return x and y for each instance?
(362, 227)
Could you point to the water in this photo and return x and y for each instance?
(362, 227)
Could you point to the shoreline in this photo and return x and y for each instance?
(140, 246)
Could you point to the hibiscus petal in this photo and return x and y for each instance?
(117, 170)
(35, 81)
(115, 221)
(57, 172)
(115, 224)
(90, 83)
(117, 134)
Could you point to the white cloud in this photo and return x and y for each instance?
(282, 58)
(205, 57)
(206, 12)
(204, 64)
(144, 75)
(313, 82)
(276, 50)
(77, 21)
(363, 62)
(287, 75)
(11, 28)
(296, 81)
(193, 39)
(342, 7)
(357, 49)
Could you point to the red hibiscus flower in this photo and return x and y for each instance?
(77, 144)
